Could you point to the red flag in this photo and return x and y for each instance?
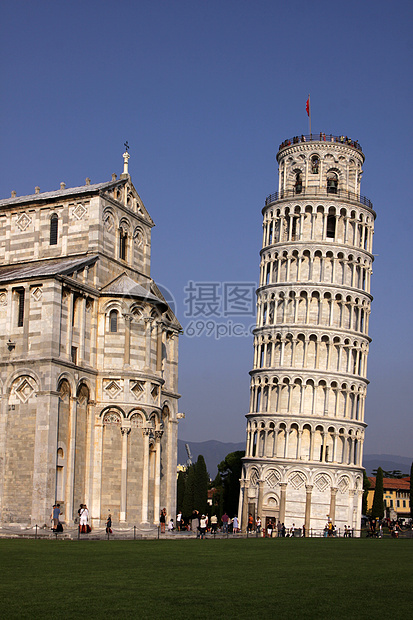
(307, 106)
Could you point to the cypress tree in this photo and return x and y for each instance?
(231, 469)
(411, 491)
(201, 482)
(377, 510)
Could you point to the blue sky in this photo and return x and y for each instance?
(204, 92)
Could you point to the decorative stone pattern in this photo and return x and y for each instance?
(311, 343)
(88, 365)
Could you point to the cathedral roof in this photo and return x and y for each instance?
(59, 193)
(41, 269)
(124, 286)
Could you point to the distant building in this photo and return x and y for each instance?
(89, 359)
(305, 426)
(396, 497)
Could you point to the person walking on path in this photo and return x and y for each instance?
(109, 524)
(225, 523)
(162, 520)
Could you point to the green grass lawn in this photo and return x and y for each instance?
(254, 578)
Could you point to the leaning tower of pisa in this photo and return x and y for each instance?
(305, 426)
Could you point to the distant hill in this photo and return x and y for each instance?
(389, 462)
(215, 451)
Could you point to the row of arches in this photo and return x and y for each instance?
(301, 167)
(318, 223)
(298, 265)
(305, 443)
(312, 352)
(130, 241)
(285, 396)
(309, 307)
(299, 477)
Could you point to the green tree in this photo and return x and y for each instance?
(377, 510)
(201, 483)
(180, 490)
(218, 496)
(411, 491)
(366, 486)
(230, 470)
(188, 500)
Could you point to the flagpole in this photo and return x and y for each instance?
(309, 113)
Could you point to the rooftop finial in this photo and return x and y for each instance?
(126, 158)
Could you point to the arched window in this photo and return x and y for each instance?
(331, 226)
(113, 321)
(298, 183)
(332, 183)
(315, 164)
(123, 243)
(54, 221)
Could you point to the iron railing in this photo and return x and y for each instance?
(321, 137)
(319, 191)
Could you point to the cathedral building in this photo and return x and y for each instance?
(305, 426)
(89, 359)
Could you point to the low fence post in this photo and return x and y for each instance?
(35, 532)
(134, 532)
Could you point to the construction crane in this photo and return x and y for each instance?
(188, 451)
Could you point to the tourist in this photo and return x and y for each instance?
(250, 525)
(162, 520)
(292, 530)
(235, 525)
(84, 518)
(109, 524)
(269, 528)
(55, 516)
(214, 523)
(225, 523)
(179, 520)
(202, 526)
(171, 525)
(195, 522)
(283, 530)
(258, 525)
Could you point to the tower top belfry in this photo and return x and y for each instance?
(305, 426)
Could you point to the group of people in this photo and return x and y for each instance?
(323, 138)
(375, 527)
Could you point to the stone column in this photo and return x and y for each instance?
(71, 461)
(82, 328)
(307, 519)
(148, 333)
(95, 503)
(69, 332)
(126, 355)
(283, 488)
(145, 479)
(260, 497)
(125, 430)
(244, 517)
(332, 513)
(298, 455)
(157, 499)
